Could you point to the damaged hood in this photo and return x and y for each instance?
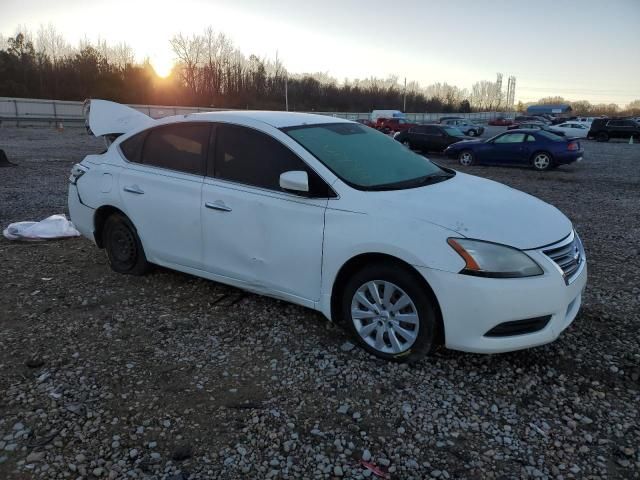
(481, 209)
(109, 118)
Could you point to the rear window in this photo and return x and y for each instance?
(454, 132)
(551, 136)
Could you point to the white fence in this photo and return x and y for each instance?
(29, 111)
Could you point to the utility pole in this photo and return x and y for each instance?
(286, 92)
(404, 102)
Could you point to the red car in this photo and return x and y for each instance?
(387, 125)
(501, 122)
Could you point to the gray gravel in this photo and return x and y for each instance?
(170, 376)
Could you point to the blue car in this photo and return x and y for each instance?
(540, 149)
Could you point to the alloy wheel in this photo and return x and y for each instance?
(541, 161)
(466, 158)
(385, 317)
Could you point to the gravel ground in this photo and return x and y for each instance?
(171, 376)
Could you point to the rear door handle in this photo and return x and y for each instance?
(217, 205)
(134, 189)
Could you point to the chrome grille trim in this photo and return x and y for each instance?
(568, 255)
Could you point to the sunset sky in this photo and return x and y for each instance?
(582, 49)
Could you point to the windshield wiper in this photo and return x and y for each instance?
(414, 182)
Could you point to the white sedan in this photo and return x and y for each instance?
(572, 129)
(334, 216)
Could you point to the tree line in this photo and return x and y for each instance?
(211, 72)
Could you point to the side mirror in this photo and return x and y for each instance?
(294, 181)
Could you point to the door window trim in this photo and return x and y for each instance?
(147, 132)
(212, 160)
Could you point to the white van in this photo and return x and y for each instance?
(376, 114)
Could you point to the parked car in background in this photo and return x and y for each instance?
(571, 129)
(376, 114)
(585, 120)
(501, 122)
(540, 149)
(444, 119)
(534, 126)
(331, 215)
(602, 129)
(465, 126)
(388, 125)
(532, 118)
(367, 122)
(429, 138)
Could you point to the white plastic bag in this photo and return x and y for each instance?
(56, 226)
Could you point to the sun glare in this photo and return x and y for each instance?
(162, 66)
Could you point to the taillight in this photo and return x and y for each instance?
(76, 172)
(573, 146)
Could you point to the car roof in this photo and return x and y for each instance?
(274, 118)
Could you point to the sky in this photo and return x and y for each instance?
(577, 49)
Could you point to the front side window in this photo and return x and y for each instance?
(246, 156)
(364, 158)
(180, 147)
(510, 138)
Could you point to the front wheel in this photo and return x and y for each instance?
(389, 313)
(123, 246)
(466, 158)
(542, 161)
(472, 133)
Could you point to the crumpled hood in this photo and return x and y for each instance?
(482, 209)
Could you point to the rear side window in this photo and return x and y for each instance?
(252, 158)
(132, 147)
(180, 147)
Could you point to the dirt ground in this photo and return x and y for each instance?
(171, 376)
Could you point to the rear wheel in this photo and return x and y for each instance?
(472, 133)
(123, 246)
(602, 137)
(389, 313)
(542, 161)
(466, 158)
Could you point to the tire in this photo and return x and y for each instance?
(472, 133)
(466, 158)
(542, 161)
(407, 144)
(374, 324)
(123, 246)
(602, 137)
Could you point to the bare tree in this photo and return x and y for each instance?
(189, 51)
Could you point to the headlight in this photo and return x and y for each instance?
(485, 259)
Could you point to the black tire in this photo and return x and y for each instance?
(123, 246)
(472, 133)
(428, 329)
(466, 158)
(538, 164)
(602, 137)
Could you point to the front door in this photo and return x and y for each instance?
(254, 233)
(508, 148)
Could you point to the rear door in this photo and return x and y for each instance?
(161, 190)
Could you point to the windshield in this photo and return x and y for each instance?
(365, 158)
(454, 132)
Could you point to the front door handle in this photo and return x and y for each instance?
(217, 205)
(134, 189)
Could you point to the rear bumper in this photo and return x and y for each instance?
(81, 215)
(473, 306)
(568, 157)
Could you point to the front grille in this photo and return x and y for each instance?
(519, 327)
(568, 255)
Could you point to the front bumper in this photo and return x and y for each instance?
(472, 306)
